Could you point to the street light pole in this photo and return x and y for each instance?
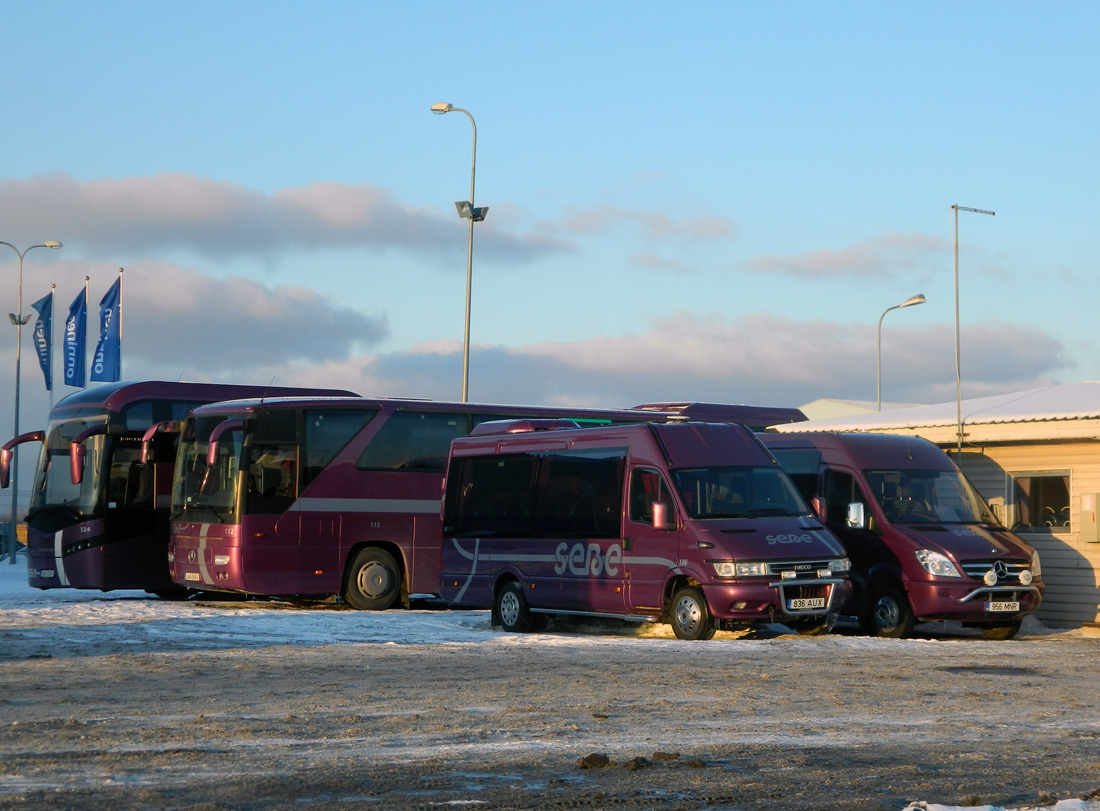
(909, 302)
(958, 356)
(467, 210)
(19, 320)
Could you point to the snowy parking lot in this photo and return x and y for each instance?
(119, 700)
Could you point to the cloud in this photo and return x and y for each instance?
(889, 255)
(141, 216)
(759, 360)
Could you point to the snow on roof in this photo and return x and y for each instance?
(1069, 401)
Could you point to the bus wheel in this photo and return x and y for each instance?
(888, 613)
(373, 580)
(998, 632)
(690, 615)
(511, 608)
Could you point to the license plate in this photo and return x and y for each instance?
(1002, 606)
(805, 604)
(191, 576)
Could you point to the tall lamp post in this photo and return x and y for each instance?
(909, 302)
(958, 356)
(467, 210)
(18, 319)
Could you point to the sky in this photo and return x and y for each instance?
(711, 201)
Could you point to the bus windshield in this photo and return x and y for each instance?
(737, 492)
(202, 490)
(54, 489)
(927, 497)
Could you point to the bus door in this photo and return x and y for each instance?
(580, 514)
(649, 553)
(270, 539)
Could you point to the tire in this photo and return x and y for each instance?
(1000, 632)
(888, 613)
(690, 617)
(512, 610)
(373, 580)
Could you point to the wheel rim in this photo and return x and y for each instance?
(688, 614)
(509, 609)
(375, 580)
(887, 614)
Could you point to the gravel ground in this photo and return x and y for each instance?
(135, 714)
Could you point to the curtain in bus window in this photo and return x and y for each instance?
(413, 440)
(579, 496)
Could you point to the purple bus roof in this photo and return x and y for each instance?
(867, 451)
(114, 396)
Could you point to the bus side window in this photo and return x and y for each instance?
(840, 491)
(646, 487)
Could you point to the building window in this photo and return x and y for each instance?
(1040, 502)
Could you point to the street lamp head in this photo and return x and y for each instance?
(917, 299)
(441, 108)
(52, 243)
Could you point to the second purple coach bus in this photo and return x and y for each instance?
(323, 497)
(98, 514)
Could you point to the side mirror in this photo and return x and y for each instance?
(77, 453)
(857, 519)
(660, 515)
(7, 453)
(5, 466)
(147, 439)
(817, 503)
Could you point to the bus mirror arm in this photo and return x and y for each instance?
(77, 452)
(147, 438)
(8, 452)
(221, 429)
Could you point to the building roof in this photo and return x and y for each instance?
(1061, 403)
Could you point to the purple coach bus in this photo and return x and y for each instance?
(98, 514)
(690, 523)
(312, 498)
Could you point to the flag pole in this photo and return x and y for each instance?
(53, 306)
(120, 377)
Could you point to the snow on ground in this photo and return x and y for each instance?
(69, 617)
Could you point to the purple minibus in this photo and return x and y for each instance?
(689, 523)
(923, 544)
(98, 513)
(311, 498)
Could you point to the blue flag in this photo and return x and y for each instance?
(43, 337)
(107, 363)
(75, 328)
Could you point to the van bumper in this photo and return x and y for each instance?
(768, 601)
(971, 602)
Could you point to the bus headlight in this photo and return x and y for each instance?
(725, 568)
(937, 564)
(221, 560)
(840, 565)
(728, 568)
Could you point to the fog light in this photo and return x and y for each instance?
(740, 606)
(788, 575)
(990, 578)
(1026, 577)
